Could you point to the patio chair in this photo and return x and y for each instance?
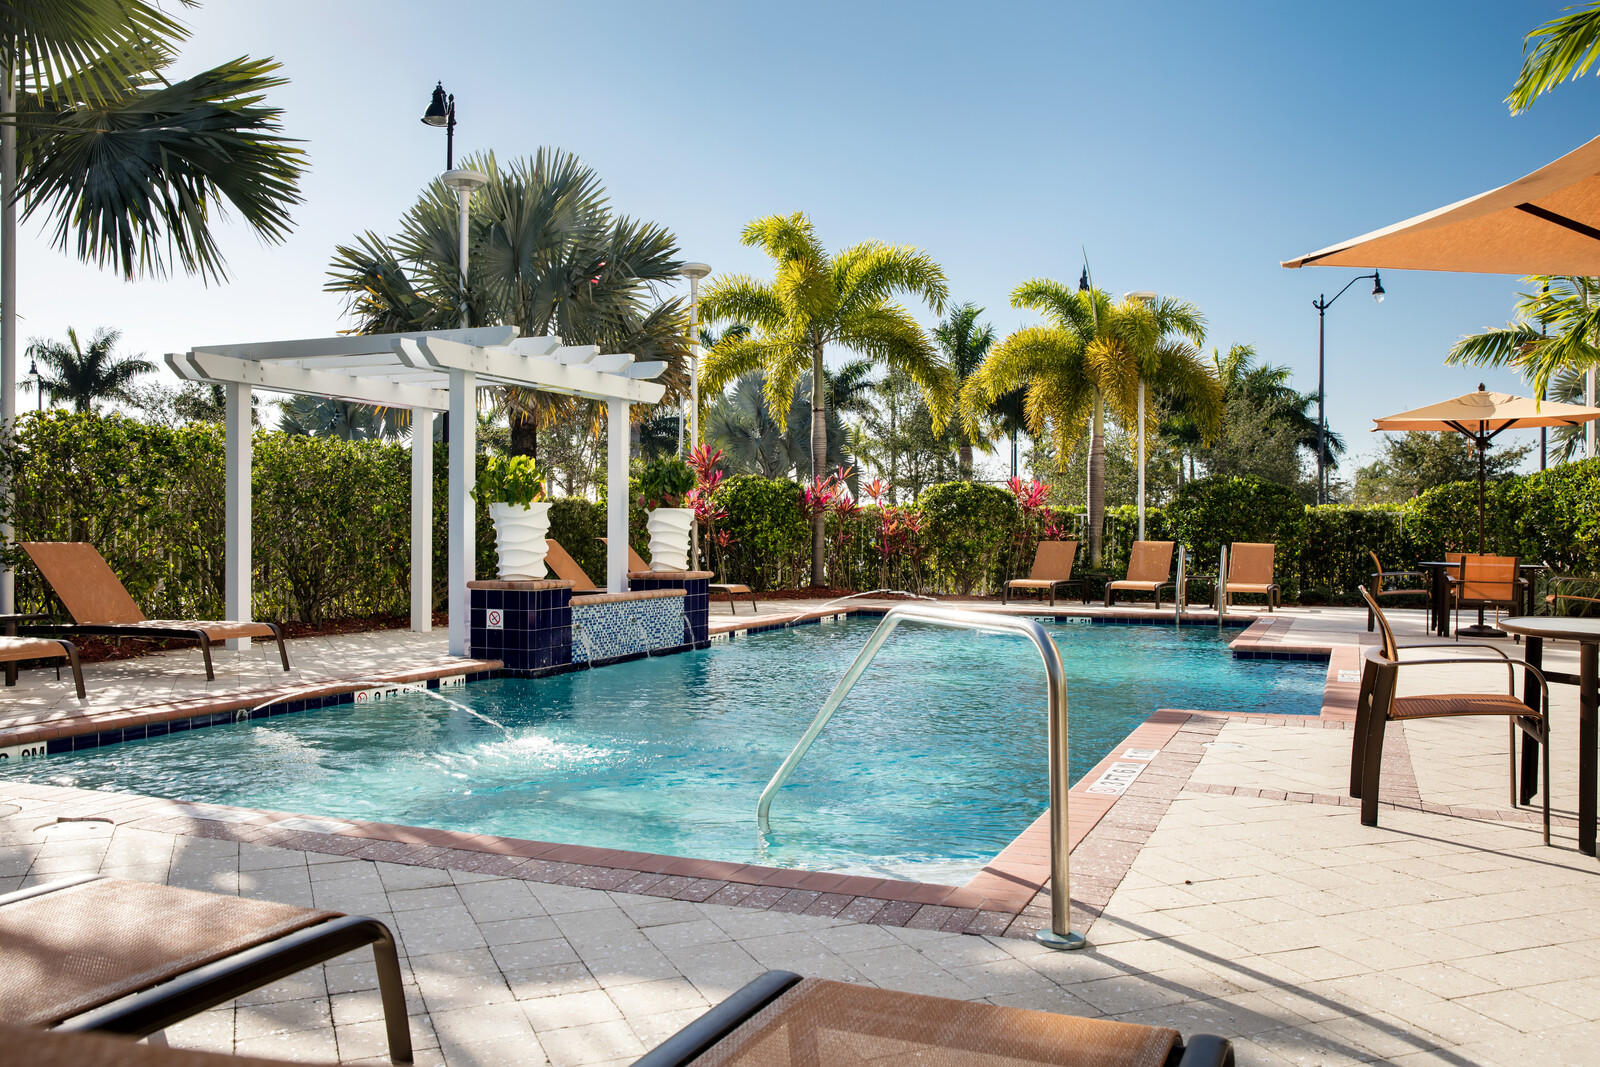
(1149, 571)
(1486, 582)
(1377, 706)
(1377, 578)
(125, 957)
(783, 1020)
(15, 649)
(1250, 571)
(567, 569)
(100, 605)
(636, 563)
(1052, 567)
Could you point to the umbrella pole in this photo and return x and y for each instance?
(1481, 445)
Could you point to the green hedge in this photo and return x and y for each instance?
(332, 524)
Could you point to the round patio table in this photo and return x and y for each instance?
(1537, 629)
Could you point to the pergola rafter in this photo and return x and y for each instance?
(438, 370)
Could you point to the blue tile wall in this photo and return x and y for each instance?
(537, 630)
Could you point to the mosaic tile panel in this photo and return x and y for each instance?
(696, 601)
(526, 629)
(626, 628)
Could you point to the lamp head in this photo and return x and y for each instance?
(1083, 281)
(438, 114)
(1377, 287)
(694, 270)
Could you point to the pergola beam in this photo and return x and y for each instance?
(355, 344)
(502, 366)
(217, 369)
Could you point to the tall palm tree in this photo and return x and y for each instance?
(816, 300)
(1092, 352)
(81, 376)
(1009, 416)
(965, 344)
(547, 255)
(1568, 47)
(754, 441)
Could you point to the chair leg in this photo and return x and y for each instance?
(1005, 594)
(394, 1000)
(753, 609)
(1358, 747)
(77, 667)
(205, 652)
(1372, 770)
(1369, 618)
(283, 653)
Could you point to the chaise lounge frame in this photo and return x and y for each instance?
(100, 605)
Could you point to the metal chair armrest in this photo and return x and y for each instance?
(1510, 665)
(1451, 644)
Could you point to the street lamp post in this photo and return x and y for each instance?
(694, 272)
(1322, 304)
(442, 112)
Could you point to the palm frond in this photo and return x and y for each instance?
(1568, 46)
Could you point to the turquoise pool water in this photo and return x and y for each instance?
(935, 762)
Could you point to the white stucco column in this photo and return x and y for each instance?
(421, 520)
(616, 496)
(463, 516)
(237, 573)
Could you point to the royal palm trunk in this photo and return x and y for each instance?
(819, 462)
(1097, 479)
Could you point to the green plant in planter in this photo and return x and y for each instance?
(664, 483)
(514, 480)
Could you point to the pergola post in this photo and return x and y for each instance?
(463, 514)
(421, 520)
(237, 572)
(616, 496)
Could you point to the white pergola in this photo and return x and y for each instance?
(439, 370)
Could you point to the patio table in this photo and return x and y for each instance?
(1536, 630)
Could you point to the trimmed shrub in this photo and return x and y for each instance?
(578, 524)
(770, 542)
(968, 528)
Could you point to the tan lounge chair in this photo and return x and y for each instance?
(1149, 571)
(98, 604)
(125, 957)
(636, 563)
(1052, 566)
(783, 1020)
(1250, 571)
(14, 649)
(1377, 706)
(566, 568)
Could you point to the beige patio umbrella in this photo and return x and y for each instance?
(1481, 417)
(1545, 223)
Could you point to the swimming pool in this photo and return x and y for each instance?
(934, 764)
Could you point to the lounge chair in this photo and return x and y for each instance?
(100, 605)
(125, 957)
(1052, 567)
(1377, 578)
(636, 563)
(567, 568)
(1149, 571)
(1377, 706)
(783, 1020)
(14, 649)
(1250, 571)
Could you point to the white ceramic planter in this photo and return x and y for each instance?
(669, 538)
(520, 533)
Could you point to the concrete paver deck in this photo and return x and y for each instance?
(1255, 906)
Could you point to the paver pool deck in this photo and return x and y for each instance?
(1231, 890)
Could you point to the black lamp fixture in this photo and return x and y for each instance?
(442, 112)
(1083, 281)
(1322, 303)
(38, 387)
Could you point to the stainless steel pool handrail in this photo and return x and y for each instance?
(1180, 600)
(1060, 934)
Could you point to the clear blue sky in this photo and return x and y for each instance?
(1189, 147)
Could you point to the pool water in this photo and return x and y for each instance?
(935, 762)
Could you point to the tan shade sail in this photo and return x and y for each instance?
(1486, 413)
(1545, 223)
